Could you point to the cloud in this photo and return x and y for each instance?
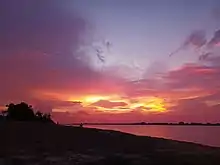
(194, 76)
(196, 38)
(190, 93)
(39, 47)
(57, 105)
(214, 61)
(84, 116)
(197, 110)
(200, 83)
(47, 26)
(215, 41)
(109, 104)
(155, 70)
(40, 63)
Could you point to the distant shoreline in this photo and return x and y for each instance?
(143, 124)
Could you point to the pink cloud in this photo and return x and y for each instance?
(194, 76)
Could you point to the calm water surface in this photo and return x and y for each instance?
(206, 135)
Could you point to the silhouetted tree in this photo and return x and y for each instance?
(21, 112)
(25, 112)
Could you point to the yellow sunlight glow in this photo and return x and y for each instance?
(93, 99)
(89, 99)
(152, 104)
(145, 104)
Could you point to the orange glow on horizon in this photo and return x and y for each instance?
(148, 104)
(142, 104)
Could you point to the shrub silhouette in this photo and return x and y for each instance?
(39, 115)
(46, 117)
(25, 112)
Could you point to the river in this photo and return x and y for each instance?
(207, 135)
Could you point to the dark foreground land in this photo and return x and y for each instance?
(37, 143)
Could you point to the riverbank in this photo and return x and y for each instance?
(38, 143)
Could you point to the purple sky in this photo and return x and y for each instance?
(146, 31)
(109, 59)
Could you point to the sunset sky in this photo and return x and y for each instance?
(112, 60)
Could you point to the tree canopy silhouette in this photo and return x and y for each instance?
(22, 111)
(25, 112)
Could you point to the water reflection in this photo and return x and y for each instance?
(198, 134)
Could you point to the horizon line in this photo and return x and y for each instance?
(146, 123)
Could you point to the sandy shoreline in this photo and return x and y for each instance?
(36, 143)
